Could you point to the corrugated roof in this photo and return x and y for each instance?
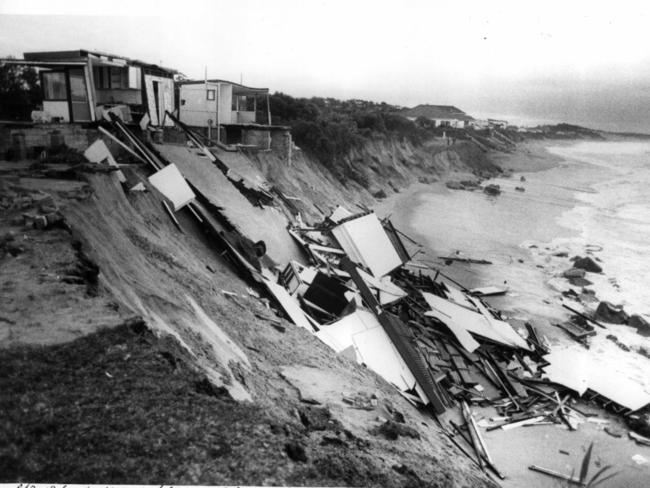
(436, 112)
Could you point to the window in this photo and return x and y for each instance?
(54, 86)
(116, 78)
(243, 103)
(210, 95)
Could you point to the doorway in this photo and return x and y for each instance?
(78, 95)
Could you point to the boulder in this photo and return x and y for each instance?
(454, 185)
(587, 264)
(582, 282)
(641, 325)
(574, 273)
(610, 313)
(492, 189)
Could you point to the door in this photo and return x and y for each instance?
(79, 95)
(156, 97)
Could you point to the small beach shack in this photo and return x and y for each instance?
(238, 114)
(440, 115)
(79, 86)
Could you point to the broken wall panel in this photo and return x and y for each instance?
(365, 242)
(170, 182)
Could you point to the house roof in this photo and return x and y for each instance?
(238, 89)
(99, 58)
(436, 112)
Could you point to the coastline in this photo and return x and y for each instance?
(515, 450)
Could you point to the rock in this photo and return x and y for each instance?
(574, 273)
(587, 264)
(580, 282)
(561, 254)
(492, 189)
(610, 313)
(392, 430)
(520, 188)
(454, 185)
(641, 325)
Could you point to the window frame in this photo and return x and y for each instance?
(209, 92)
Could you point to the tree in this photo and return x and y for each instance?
(20, 92)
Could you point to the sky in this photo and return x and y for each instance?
(552, 61)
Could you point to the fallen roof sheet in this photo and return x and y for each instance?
(170, 182)
(579, 370)
(365, 242)
(481, 324)
(372, 346)
(265, 224)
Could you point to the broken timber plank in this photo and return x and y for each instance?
(555, 474)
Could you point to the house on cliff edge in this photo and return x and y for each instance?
(234, 113)
(79, 86)
(440, 115)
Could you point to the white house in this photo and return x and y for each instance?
(440, 115)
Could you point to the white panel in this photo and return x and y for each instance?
(366, 242)
(289, 304)
(376, 350)
(457, 317)
(372, 346)
(98, 152)
(57, 109)
(170, 182)
(597, 370)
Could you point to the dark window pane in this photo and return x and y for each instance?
(54, 86)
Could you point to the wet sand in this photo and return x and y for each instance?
(525, 270)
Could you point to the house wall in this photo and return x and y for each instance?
(225, 104)
(57, 109)
(165, 98)
(195, 109)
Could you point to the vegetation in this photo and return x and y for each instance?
(329, 129)
(20, 92)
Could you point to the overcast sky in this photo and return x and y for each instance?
(575, 61)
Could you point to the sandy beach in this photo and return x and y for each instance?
(509, 231)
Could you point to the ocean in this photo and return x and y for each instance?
(595, 202)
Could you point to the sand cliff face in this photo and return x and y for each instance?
(256, 400)
(383, 167)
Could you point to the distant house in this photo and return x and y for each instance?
(440, 115)
(78, 86)
(497, 124)
(238, 114)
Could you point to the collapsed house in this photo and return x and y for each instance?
(80, 86)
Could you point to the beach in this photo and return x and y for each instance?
(578, 198)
